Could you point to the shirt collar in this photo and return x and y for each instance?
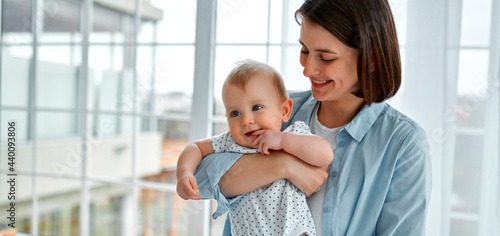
(364, 120)
(357, 128)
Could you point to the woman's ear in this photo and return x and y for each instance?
(287, 109)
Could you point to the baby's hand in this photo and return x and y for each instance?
(187, 188)
(268, 140)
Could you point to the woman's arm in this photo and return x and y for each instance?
(405, 207)
(253, 171)
(310, 148)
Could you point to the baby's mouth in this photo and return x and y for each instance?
(250, 134)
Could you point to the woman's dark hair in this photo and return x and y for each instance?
(366, 25)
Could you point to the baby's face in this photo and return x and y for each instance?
(255, 107)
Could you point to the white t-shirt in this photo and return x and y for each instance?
(315, 201)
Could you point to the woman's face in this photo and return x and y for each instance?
(330, 65)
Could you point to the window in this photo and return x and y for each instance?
(100, 112)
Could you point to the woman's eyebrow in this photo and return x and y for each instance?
(319, 50)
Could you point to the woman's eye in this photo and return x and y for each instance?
(235, 113)
(326, 60)
(256, 107)
(304, 51)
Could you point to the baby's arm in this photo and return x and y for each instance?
(186, 165)
(309, 148)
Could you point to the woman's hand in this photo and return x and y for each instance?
(304, 176)
(253, 171)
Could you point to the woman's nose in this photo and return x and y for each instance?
(310, 68)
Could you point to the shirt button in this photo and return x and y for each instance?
(341, 144)
(333, 174)
(327, 210)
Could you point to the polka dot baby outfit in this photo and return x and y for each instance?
(279, 208)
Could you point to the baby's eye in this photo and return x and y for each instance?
(235, 113)
(256, 107)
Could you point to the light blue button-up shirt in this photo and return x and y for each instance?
(379, 181)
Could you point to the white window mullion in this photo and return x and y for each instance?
(37, 24)
(284, 34)
(86, 19)
(490, 187)
(129, 228)
(202, 102)
(453, 32)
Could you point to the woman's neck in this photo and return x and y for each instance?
(334, 114)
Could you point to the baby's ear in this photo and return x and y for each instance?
(287, 109)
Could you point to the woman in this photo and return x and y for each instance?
(379, 181)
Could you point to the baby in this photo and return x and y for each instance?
(256, 105)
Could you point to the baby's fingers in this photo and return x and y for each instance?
(193, 187)
(263, 148)
(256, 141)
(259, 132)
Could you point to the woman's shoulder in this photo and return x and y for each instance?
(391, 116)
(299, 94)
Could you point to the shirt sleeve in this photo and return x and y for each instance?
(208, 175)
(298, 127)
(405, 206)
(222, 142)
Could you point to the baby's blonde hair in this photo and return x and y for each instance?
(245, 69)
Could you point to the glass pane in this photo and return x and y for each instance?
(56, 125)
(467, 173)
(225, 59)
(24, 150)
(473, 72)
(174, 139)
(105, 77)
(293, 71)
(174, 79)
(106, 25)
(16, 21)
(15, 75)
(146, 32)
(164, 213)
(63, 157)
(172, 30)
(463, 228)
(292, 28)
(242, 21)
(146, 125)
(145, 79)
(58, 206)
(274, 57)
(476, 23)
(61, 21)
(470, 112)
(473, 88)
(148, 145)
(217, 225)
(111, 209)
(102, 125)
(110, 152)
(57, 76)
(219, 128)
(23, 204)
(276, 21)
(399, 10)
